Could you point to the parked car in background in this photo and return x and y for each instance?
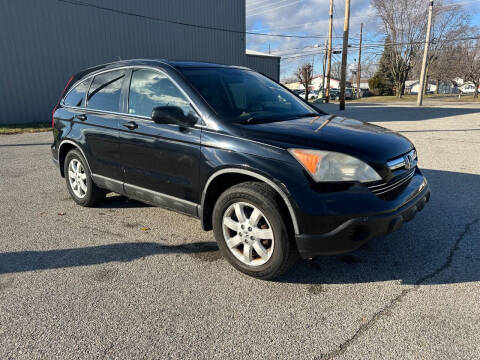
(273, 176)
(311, 95)
(467, 89)
(298, 92)
(349, 92)
(334, 94)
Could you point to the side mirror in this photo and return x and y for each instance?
(172, 115)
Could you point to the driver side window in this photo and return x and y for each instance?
(150, 89)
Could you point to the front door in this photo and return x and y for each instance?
(161, 161)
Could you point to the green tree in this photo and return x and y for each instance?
(382, 82)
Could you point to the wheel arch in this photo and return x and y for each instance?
(63, 149)
(223, 179)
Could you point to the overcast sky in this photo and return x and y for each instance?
(310, 17)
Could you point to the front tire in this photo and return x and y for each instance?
(79, 181)
(250, 231)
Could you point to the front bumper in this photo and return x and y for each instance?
(355, 232)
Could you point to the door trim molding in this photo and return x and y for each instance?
(148, 196)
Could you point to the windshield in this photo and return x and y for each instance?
(244, 96)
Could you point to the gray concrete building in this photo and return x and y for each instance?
(44, 42)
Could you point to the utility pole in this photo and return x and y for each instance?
(329, 62)
(359, 66)
(343, 78)
(324, 68)
(425, 55)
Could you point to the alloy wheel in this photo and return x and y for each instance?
(77, 178)
(248, 234)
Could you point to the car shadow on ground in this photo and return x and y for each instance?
(387, 113)
(14, 262)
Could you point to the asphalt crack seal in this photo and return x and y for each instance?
(386, 309)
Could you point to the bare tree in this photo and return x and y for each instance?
(305, 75)
(288, 80)
(336, 70)
(369, 68)
(450, 22)
(446, 65)
(404, 22)
(471, 64)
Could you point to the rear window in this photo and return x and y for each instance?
(105, 91)
(76, 95)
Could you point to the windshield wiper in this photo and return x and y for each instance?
(309, 115)
(325, 123)
(257, 120)
(253, 120)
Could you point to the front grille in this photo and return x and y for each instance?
(391, 188)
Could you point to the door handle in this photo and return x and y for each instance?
(81, 117)
(131, 125)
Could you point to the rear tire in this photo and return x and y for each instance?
(250, 230)
(79, 181)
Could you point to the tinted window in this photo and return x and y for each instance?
(239, 95)
(76, 95)
(149, 89)
(104, 93)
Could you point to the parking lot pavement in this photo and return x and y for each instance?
(126, 280)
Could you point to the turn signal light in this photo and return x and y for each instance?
(308, 159)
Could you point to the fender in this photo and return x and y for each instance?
(78, 147)
(260, 177)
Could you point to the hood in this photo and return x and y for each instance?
(366, 141)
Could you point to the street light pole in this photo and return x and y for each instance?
(329, 62)
(359, 66)
(324, 67)
(346, 26)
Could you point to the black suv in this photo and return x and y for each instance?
(272, 176)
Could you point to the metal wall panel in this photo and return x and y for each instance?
(267, 65)
(44, 42)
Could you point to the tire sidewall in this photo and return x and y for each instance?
(75, 154)
(280, 250)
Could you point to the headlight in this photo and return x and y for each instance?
(331, 166)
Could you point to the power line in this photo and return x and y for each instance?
(380, 45)
(353, 47)
(256, 5)
(275, 8)
(266, 5)
(154, 18)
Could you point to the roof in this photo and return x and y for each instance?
(259, 53)
(154, 62)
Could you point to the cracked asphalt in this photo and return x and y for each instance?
(126, 280)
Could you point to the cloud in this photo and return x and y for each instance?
(305, 17)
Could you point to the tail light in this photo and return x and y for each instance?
(53, 112)
(61, 96)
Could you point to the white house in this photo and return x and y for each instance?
(318, 81)
(413, 86)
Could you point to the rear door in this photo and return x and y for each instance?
(100, 126)
(161, 161)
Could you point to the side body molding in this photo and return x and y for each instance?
(262, 178)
